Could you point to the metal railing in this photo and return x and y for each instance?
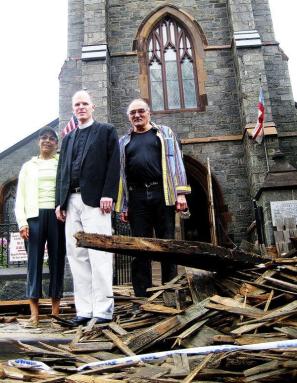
(122, 263)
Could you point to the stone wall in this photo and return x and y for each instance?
(13, 283)
(231, 84)
(222, 115)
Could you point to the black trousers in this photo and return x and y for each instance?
(44, 228)
(148, 214)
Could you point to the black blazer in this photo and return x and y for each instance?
(100, 167)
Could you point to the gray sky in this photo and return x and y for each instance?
(34, 47)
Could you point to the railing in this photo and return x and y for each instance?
(122, 263)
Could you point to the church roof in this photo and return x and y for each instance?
(53, 124)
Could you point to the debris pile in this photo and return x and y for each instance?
(236, 327)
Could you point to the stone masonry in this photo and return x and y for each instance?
(232, 87)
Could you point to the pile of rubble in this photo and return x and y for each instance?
(200, 327)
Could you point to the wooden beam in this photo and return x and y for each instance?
(217, 47)
(203, 140)
(187, 253)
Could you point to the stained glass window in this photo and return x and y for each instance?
(173, 84)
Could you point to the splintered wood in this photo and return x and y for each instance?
(245, 307)
(187, 253)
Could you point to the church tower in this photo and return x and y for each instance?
(200, 65)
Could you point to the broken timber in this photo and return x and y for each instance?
(187, 253)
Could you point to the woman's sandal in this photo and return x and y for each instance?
(31, 323)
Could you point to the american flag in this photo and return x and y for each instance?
(258, 132)
(72, 124)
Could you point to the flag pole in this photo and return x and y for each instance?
(266, 156)
(264, 140)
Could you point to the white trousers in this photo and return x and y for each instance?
(91, 269)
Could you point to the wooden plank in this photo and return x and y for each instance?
(53, 351)
(150, 307)
(188, 253)
(204, 337)
(230, 302)
(283, 284)
(103, 369)
(7, 372)
(236, 310)
(189, 331)
(262, 368)
(163, 287)
(166, 327)
(42, 301)
(64, 350)
(291, 331)
(118, 342)
(223, 339)
(287, 310)
(160, 292)
(247, 328)
(258, 338)
(138, 323)
(148, 371)
(267, 304)
(181, 365)
(197, 369)
(79, 378)
(204, 140)
(211, 208)
(268, 287)
(90, 346)
(117, 328)
(201, 284)
(265, 375)
(217, 47)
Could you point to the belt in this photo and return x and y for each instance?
(75, 190)
(144, 185)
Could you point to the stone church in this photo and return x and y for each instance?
(199, 64)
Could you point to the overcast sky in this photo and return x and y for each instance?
(34, 47)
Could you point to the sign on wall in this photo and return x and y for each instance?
(17, 251)
(283, 209)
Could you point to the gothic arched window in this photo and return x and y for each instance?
(171, 67)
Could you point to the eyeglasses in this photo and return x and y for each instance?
(50, 138)
(139, 111)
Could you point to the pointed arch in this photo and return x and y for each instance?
(190, 35)
(199, 205)
(7, 201)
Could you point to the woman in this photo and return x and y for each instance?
(35, 214)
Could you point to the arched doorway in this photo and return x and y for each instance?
(197, 227)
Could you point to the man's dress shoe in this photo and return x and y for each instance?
(102, 320)
(78, 321)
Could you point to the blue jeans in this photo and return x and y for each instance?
(147, 214)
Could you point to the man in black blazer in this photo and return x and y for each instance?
(87, 184)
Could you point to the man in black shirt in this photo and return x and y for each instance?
(153, 186)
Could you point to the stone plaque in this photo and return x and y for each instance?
(283, 209)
